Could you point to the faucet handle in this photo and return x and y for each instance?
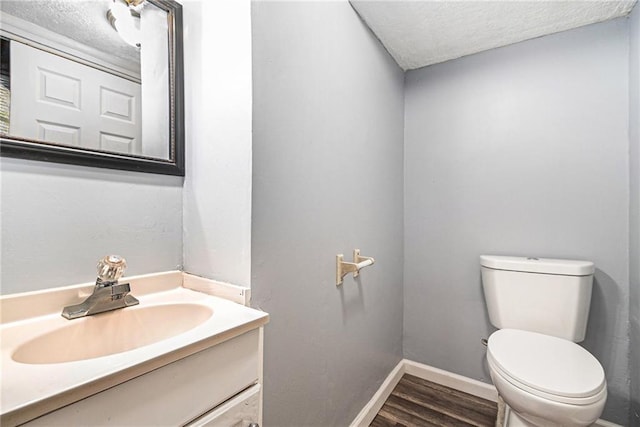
(110, 268)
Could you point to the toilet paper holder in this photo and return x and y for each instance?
(343, 267)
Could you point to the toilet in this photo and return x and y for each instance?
(540, 307)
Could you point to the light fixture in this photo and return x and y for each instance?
(124, 17)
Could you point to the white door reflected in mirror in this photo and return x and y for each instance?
(64, 102)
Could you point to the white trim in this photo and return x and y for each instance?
(368, 413)
(235, 293)
(438, 376)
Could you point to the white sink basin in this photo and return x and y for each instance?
(117, 331)
(49, 362)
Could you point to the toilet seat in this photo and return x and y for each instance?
(549, 367)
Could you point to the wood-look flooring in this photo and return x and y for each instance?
(416, 403)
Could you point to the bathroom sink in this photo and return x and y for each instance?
(49, 362)
(111, 332)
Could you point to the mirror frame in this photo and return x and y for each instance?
(42, 151)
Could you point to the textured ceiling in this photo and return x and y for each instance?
(421, 33)
(84, 21)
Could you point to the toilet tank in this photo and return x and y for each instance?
(549, 296)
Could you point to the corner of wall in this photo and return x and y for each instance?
(634, 214)
(218, 92)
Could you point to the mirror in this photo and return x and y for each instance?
(93, 82)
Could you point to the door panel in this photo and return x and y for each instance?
(58, 100)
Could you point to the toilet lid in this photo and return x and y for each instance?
(552, 365)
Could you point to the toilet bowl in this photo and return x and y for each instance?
(545, 380)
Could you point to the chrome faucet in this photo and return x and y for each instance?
(108, 294)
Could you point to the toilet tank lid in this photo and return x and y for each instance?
(538, 265)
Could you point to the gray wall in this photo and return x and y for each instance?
(58, 220)
(634, 213)
(521, 150)
(327, 156)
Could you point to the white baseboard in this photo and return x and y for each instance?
(438, 376)
(370, 410)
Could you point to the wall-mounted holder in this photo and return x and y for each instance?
(343, 268)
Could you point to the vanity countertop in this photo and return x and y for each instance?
(30, 390)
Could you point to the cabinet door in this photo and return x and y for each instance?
(241, 411)
(171, 395)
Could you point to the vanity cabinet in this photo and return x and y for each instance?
(240, 411)
(216, 387)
